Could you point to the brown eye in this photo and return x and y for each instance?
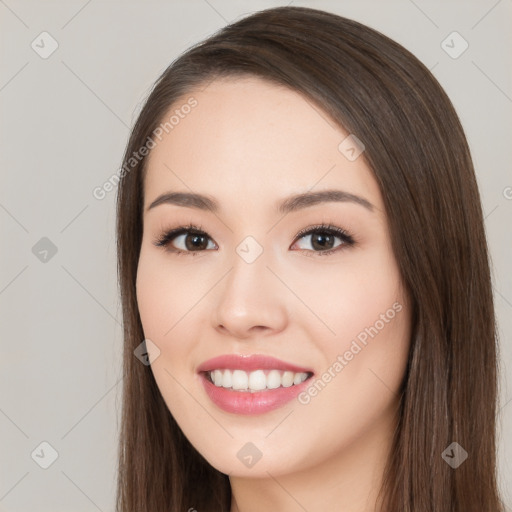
(323, 239)
(185, 240)
(193, 240)
(189, 239)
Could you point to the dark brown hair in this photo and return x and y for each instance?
(415, 146)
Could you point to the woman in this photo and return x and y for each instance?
(332, 346)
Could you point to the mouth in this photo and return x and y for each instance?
(252, 384)
(256, 380)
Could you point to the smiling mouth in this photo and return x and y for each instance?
(256, 380)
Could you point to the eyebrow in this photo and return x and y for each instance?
(290, 204)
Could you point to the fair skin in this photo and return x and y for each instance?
(249, 144)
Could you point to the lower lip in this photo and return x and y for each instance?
(249, 403)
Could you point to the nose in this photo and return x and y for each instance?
(251, 301)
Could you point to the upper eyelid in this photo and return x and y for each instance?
(303, 232)
(172, 234)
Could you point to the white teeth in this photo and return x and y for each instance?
(287, 379)
(273, 379)
(240, 380)
(297, 379)
(227, 381)
(256, 380)
(217, 377)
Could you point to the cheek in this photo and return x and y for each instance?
(163, 294)
(163, 303)
(168, 298)
(363, 306)
(151, 297)
(364, 363)
(348, 296)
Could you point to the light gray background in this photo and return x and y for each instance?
(64, 125)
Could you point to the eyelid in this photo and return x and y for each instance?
(170, 235)
(346, 238)
(342, 233)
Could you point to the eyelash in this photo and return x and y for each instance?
(167, 237)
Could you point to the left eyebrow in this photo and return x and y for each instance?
(300, 201)
(289, 204)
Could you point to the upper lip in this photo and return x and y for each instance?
(249, 363)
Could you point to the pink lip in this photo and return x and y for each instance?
(249, 363)
(247, 402)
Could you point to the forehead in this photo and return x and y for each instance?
(247, 140)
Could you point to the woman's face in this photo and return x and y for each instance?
(253, 285)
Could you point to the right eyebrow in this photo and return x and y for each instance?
(186, 199)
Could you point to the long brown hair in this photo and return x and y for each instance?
(417, 150)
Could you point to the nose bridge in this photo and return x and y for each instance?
(245, 284)
(249, 296)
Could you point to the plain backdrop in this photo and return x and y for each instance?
(65, 118)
